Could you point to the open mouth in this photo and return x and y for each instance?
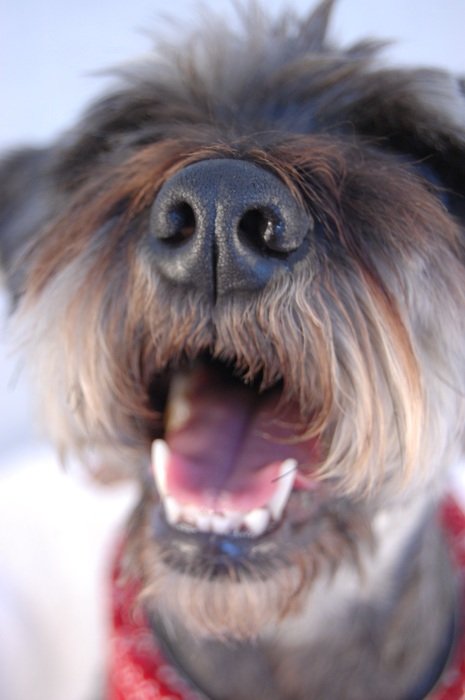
(231, 455)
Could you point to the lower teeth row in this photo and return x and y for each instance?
(253, 523)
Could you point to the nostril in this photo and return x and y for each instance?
(181, 223)
(264, 230)
(253, 227)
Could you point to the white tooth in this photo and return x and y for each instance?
(285, 482)
(221, 524)
(234, 518)
(160, 456)
(173, 511)
(257, 521)
(203, 521)
(179, 407)
(190, 514)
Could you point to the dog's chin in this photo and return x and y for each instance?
(239, 586)
(236, 525)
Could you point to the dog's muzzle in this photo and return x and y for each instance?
(226, 225)
(227, 465)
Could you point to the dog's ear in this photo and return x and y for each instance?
(420, 113)
(25, 204)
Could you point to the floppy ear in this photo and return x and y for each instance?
(420, 113)
(25, 204)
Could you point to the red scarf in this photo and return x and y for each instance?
(139, 671)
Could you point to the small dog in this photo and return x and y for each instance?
(248, 259)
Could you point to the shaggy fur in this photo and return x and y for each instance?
(364, 339)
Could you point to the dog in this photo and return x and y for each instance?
(240, 279)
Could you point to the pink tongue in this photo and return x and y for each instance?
(227, 446)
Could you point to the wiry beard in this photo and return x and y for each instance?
(213, 596)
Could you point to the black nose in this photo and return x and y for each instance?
(226, 225)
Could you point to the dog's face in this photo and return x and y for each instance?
(248, 262)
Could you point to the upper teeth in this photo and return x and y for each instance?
(203, 519)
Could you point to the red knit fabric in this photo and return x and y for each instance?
(139, 671)
(452, 683)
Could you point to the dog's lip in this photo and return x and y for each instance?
(250, 511)
(178, 478)
(230, 458)
(227, 430)
(208, 553)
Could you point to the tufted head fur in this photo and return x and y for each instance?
(350, 361)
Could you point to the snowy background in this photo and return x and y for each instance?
(54, 533)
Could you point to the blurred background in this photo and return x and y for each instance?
(55, 531)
